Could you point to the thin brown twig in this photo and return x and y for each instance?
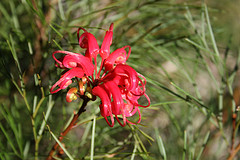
(234, 116)
(70, 126)
(234, 152)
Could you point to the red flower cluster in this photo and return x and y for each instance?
(117, 85)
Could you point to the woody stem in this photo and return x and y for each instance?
(70, 126)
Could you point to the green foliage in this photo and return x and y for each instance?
(190, 63)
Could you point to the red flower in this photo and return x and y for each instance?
(88, 41)
(117, 85)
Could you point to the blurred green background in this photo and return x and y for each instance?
(187, 50)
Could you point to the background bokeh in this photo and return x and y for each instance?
(187, 50)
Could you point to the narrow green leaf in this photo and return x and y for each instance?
(61, 10)
(13, 51)
(34, 103)
(93, 138)
(26, 150)
(5, 13)
(77, 20)
(49, 109)
(198, 45)
(146, 33)
(9, 140)
(185, 145)
(204, 145)
(57, 45)
(160, 145)
(1, 156)
(189, 95)
(16, 130)
(141, 147)
(77, 4)
(30, 48)
(167, 102)
(14, 15)
(36, 10)
(134, 150)
(58, 33)
(144, 134)
(60, 144)
(211, 31)
(85, 134)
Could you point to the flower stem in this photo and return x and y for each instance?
(234, 152)
(70, 126)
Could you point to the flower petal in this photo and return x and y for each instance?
(105, 107)
(117, 104)
(119, 56)
(65, 80)
(128, 76)
(71, 60)
(114, 91)
(88, 41)
(107, 41)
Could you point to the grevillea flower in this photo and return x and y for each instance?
(118, 85)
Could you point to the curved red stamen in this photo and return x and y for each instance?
(112, 120)
(130, 111)
(71, 60)
(135, 102)
(124, 120)
(139, 120)
(75, 72)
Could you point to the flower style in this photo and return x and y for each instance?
(118, 85)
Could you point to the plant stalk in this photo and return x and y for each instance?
(70, 126)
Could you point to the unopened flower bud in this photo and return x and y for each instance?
(84, 80)
(71, 95)
(81, 88)
(89, 95)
